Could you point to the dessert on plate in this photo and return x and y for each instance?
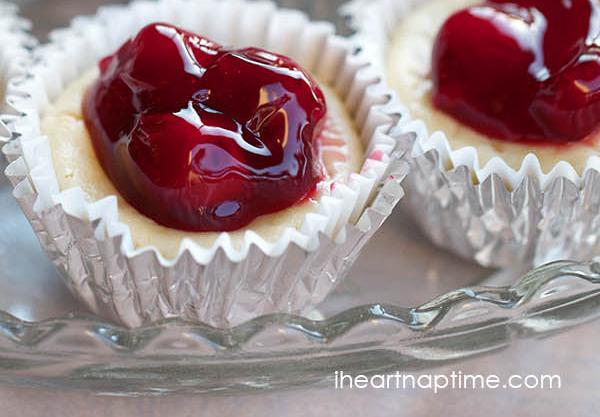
(177, 169)
(503, 98)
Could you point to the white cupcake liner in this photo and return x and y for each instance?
(15, 52)
(222, 285)
(16, 43)
(508, 215)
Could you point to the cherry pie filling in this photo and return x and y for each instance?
(521, 70)
(203, 138)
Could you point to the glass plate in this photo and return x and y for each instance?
(363, 327)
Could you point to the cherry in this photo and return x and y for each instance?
(571, 102)
(203, 138)
(511, 69)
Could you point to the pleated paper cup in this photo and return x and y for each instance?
(225, 284)
(15, 52)
(494, 213)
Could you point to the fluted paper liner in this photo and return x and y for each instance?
(506, 215)
(222, 285)
(15, 51)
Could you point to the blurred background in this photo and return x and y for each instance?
(49, 14)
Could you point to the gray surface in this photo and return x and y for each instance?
(425, 273)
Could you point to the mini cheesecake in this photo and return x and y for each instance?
(502, 98)
(158, 166)
(229, 163)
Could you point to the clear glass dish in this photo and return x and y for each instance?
(367, 325)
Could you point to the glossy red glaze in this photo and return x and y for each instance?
(203, 138)
(522, 70)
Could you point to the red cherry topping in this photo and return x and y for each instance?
(522, 70)
(203, 138)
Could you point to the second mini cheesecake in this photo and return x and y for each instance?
(502, 99)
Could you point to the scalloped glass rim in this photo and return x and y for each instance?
(281, 350)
